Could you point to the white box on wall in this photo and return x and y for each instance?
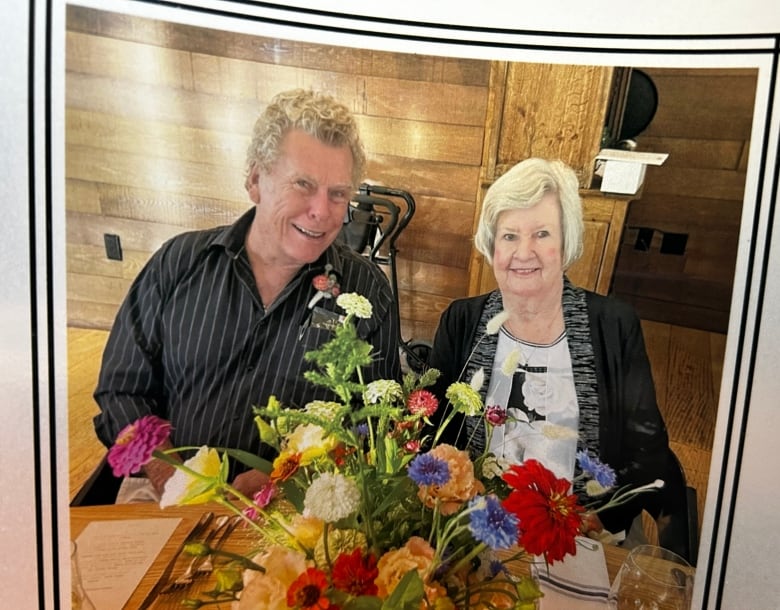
(623, 171)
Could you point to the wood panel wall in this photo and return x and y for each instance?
(158, 118)
(703, 121)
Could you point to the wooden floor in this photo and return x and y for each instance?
(687, 367)
(85, 349)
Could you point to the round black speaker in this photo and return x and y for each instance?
(641, 104)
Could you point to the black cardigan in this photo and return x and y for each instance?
(632, 436)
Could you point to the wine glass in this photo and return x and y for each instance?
(652, 578)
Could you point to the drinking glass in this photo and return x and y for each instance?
(652, 578)
(79, 600)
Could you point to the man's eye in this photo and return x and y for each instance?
(303, 184)
(340, 196)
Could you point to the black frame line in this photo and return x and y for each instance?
(237, 14)
(33, 279)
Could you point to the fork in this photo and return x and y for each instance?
(207, 565)
(188, 575)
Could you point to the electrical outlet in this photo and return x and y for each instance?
(674, 243)
(113, 246)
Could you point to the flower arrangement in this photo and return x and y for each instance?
(363, 511)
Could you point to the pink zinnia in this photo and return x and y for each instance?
(496, 415)
(412, 446)
(261, 499)
(135, 444)
(422, 402)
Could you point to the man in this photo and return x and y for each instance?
(219, 320)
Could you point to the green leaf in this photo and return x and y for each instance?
(293, 493)
(407, 595)
(250, 459)
(364, 603)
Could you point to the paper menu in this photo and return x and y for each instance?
(114, 555)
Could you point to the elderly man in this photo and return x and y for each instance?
(219, 320)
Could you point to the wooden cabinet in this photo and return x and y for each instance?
(604, 217)
(548, 110)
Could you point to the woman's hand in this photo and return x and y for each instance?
(591, 523)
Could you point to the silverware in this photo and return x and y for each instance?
(188, 575)
(197, 531)
(207, 565)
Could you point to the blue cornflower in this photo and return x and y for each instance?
(492, 524)
(361, 429)
(596, 469)
(427, 469)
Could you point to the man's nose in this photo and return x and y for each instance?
(318, 203)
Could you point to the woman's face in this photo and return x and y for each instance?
(528, 251)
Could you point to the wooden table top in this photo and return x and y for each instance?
(81, 516)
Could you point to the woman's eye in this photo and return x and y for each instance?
(543, 233)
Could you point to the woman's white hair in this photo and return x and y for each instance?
(524, 186)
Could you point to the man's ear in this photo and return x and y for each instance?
(252, 183)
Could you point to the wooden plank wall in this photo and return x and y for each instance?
(703, 121)
(158, 118)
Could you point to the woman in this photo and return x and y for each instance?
(569, 365)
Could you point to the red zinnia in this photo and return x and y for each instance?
(354, 573)
(307, 591)
(549, 516)
(422, 402)
(136, 443)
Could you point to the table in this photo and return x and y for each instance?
(82, 515)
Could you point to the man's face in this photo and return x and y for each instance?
(301, 200)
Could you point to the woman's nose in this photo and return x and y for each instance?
(523, 249)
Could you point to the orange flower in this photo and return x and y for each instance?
(307, 592)
(268, 590)
(285, 466)
(416, 554)
(461, 487)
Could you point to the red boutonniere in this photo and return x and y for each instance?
(326, 284)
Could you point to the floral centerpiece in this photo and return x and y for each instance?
(363, 510)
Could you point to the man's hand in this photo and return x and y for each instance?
(158, 472)
(250, 482)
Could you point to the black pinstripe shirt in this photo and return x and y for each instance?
(193, 344)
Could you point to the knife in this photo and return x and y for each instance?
(196, 532)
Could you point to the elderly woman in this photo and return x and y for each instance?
(569, 365)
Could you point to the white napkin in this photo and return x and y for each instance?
(580, 580)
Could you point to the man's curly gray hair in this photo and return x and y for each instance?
(314, 113)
